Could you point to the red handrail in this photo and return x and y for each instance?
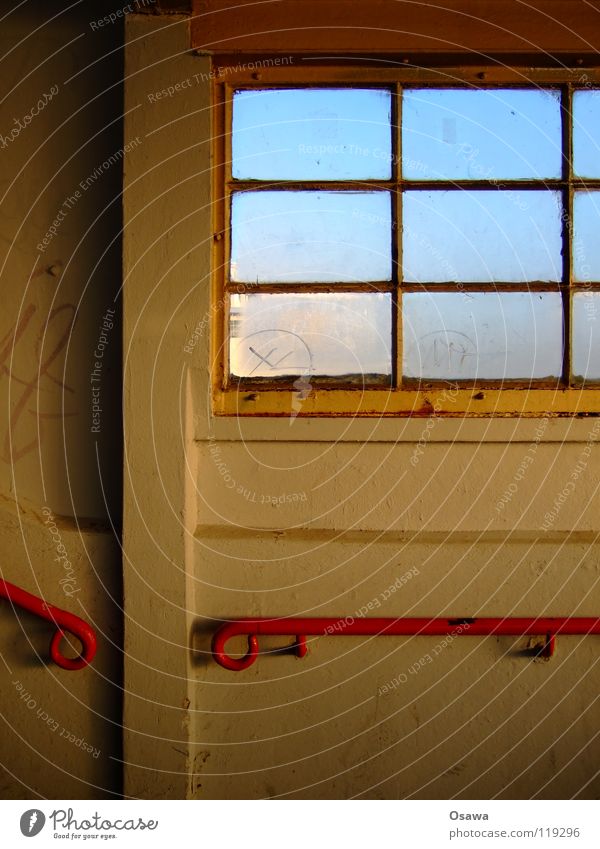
(348, 626)
(64, 621)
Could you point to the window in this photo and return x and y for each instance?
(407, 242)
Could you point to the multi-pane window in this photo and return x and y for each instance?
(407, 237)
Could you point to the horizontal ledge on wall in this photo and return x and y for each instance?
(361, 537)
(389, 26)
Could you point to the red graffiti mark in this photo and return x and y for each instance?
(29, 387)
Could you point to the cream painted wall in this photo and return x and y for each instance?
(369, 718)
(63, 739)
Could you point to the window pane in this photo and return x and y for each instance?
(481, 236)
(454, 134)
(312, 134)
(310, 334)
(586, 244)
(459, 336)
(294, 237)
(586, 133)
(586, 335)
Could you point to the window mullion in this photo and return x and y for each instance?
(397, 235)
(567, 225)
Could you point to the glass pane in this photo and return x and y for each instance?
(586, 133)
(310, 334)
(462, 336)
(586, 229)
(586, 335)
(293, 237)
(481, 236)
(312, 134)
(454, 134)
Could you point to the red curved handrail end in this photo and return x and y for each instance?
(246, 627)
(65, 623)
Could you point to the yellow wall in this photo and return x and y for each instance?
(480, 718)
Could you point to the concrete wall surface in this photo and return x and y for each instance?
(210, 533)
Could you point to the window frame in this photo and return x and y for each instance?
(483, 398)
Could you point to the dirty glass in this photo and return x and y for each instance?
(459, 134)
(586, 232)
(586, 335)
(508, 335)
(586, 133)
(487, 236)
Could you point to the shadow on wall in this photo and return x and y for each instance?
(61, 147)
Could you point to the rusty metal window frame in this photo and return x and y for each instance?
(332, 397)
